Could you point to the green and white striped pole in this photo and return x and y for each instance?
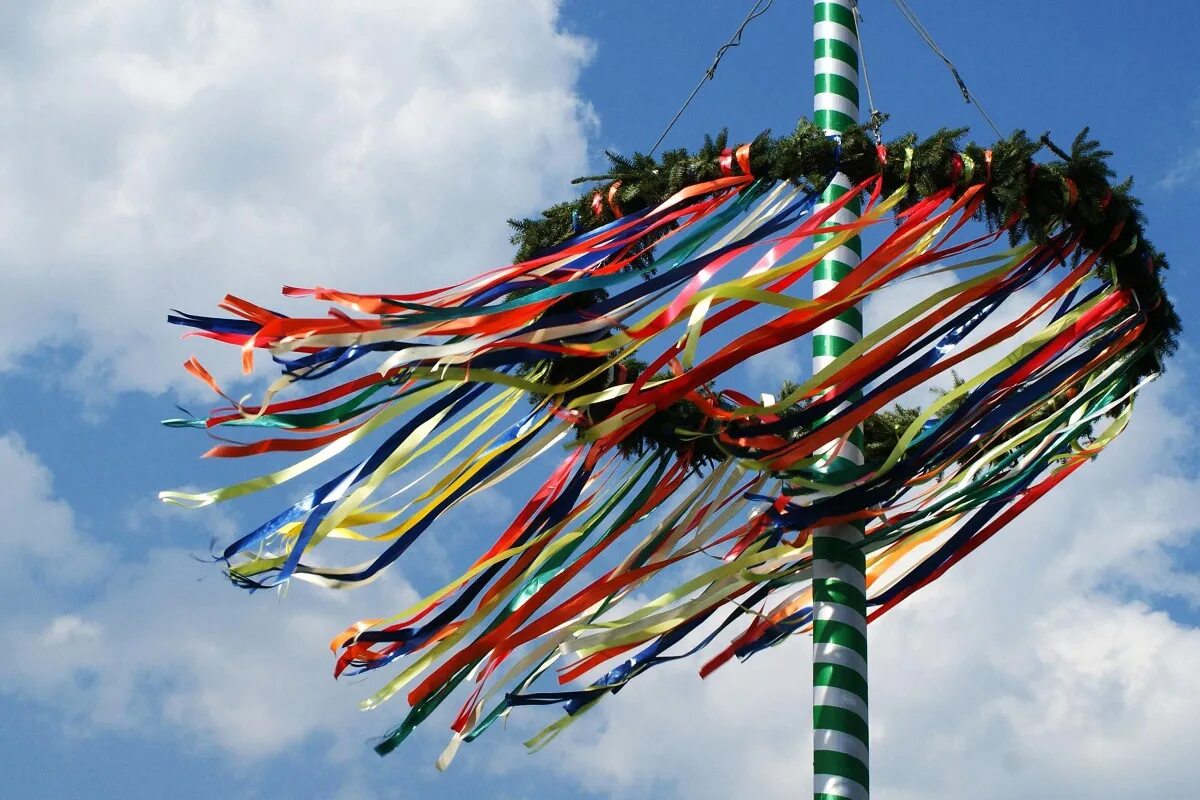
(840, 731)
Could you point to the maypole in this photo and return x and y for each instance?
(840, 730)
(585, 324)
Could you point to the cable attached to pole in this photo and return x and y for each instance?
(875, 120)
(735, 40)
(911, 16)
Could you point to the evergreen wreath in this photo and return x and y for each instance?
(1030, 198)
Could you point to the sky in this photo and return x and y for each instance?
(158, 155)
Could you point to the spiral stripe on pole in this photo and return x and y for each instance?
(840, 730)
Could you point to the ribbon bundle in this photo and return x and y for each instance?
(618, 337)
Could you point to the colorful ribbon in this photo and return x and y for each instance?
(618, 337)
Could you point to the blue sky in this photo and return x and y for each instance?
(158, 155)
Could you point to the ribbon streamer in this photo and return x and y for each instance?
(677, 520)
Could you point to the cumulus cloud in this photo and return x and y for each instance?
(157, 644)
(1182, 171)
(158, 155)
(40, 542)
(246, 675)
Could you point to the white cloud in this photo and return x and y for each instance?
(40, 542)
(158, 643)
(165, 647)
(158, 155)
(1187, 164)
(769, 369)
(1181, 172)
